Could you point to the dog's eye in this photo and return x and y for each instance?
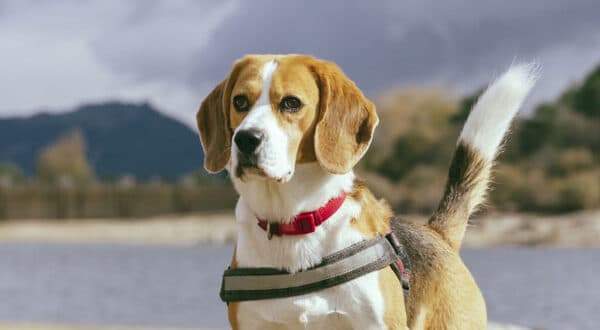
(290, 104)
(241, 103)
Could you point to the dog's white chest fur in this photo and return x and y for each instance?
(354, 305)
(357, 304)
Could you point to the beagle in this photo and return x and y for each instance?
(289, 129)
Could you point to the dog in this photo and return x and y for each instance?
(289, 129)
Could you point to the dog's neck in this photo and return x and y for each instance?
(309, 189)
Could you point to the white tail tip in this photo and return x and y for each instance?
(491, 116)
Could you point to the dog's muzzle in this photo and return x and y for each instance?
(247, 142)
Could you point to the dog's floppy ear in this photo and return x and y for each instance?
(347, 120)
(213, 122)
(215, 134)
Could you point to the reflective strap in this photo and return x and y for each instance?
(359, 259)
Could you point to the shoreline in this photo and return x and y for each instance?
(580, 229)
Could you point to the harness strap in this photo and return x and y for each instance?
(402, 266)
(242, 284)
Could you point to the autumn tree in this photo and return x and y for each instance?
(65, 159)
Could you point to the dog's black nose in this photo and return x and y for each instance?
(248, 140)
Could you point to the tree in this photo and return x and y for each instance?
(65, 158)
(586, 100)
(10, 171)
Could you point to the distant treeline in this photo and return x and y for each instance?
(551, 164)
(111, 200)
(65, 187)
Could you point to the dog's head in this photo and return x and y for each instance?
(274, 112)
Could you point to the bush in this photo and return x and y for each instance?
(587, 99)
(65, 160)
(520, 189)
(573, 160)
(580, 191)
(422, 190)
(11, 172)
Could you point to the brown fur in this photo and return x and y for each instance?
(375, 214)
(443, 293)
(347, 121)
(374, 221)
(395, 313)
(335, 128)
(466, 188)
(215, 133)
(441, 287)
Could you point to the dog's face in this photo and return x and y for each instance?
(274, 112)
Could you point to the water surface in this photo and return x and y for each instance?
(177, 286)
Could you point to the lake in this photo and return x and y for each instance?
(162, 286)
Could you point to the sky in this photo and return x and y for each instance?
(56, 55)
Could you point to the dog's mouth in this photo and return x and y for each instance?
(248, 166)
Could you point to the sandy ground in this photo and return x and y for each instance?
(580, 229)
(166, 230)
(572, 230)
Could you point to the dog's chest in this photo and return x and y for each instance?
(357, 304)
(354, 305)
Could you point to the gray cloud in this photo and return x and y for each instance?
(172, 52)
(396, 42)
(158, 39)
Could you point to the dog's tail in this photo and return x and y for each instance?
(476, 149)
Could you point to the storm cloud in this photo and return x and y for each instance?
(171, 53)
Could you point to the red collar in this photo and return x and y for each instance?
(304, 223)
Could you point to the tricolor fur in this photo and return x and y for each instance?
(303, 158)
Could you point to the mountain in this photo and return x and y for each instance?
(120, 138)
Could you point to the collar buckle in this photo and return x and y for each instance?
(305, 223)
(272, 228)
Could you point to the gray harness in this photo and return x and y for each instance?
(243, 284)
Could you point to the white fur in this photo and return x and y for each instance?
(354, 305)
(273, 157)
(491, 117)
(310, 188)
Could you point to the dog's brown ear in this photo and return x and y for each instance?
(215, 133)
(347, 120)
